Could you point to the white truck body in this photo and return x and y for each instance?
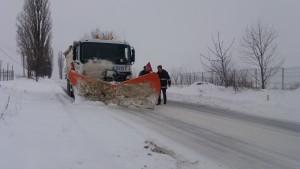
(114, 67)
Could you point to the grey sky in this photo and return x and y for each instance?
(172, 33)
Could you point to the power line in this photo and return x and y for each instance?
(8, 48)
(9, 56)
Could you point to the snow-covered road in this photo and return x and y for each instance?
(41, 127)
(231, 141)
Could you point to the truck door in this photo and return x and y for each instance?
(78, 63)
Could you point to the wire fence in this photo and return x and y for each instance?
(6, 74)
(285, 78)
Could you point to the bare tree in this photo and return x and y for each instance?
(34, 37)
(175, 75)
(47, 61)
(241, 78)
(50, 63)
(186, 77)
(259, 49)
(218, 59)
(60, 61)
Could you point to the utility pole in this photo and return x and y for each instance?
(0, 68)
(23, 58)
(282, 78)
(12, 72)
(7, 71)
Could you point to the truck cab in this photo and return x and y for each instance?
(107, 60)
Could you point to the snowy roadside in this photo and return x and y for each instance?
(275, 104)
(40, 128)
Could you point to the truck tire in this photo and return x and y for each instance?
(69, 89)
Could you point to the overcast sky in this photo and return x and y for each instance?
(172, 33)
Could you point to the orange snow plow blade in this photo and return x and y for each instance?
(142, 91)
(152, 79)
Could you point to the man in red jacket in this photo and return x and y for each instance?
(165, 81)
(144, 71)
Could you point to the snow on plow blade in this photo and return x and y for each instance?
(141, 92)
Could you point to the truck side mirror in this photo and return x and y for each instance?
(132, 55)
(74, 53)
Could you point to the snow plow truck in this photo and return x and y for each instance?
(100, 70)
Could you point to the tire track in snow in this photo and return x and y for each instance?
(13, 102)
(236, 115)
(226, 149)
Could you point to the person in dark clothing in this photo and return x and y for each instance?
(143, 72)
(165, 81)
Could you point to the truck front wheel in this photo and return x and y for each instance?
(69, 89)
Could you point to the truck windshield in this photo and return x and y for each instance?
(105, 51)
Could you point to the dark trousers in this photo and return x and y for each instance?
(163, 90)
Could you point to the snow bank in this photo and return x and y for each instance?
(96, 68)
(277, 104)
